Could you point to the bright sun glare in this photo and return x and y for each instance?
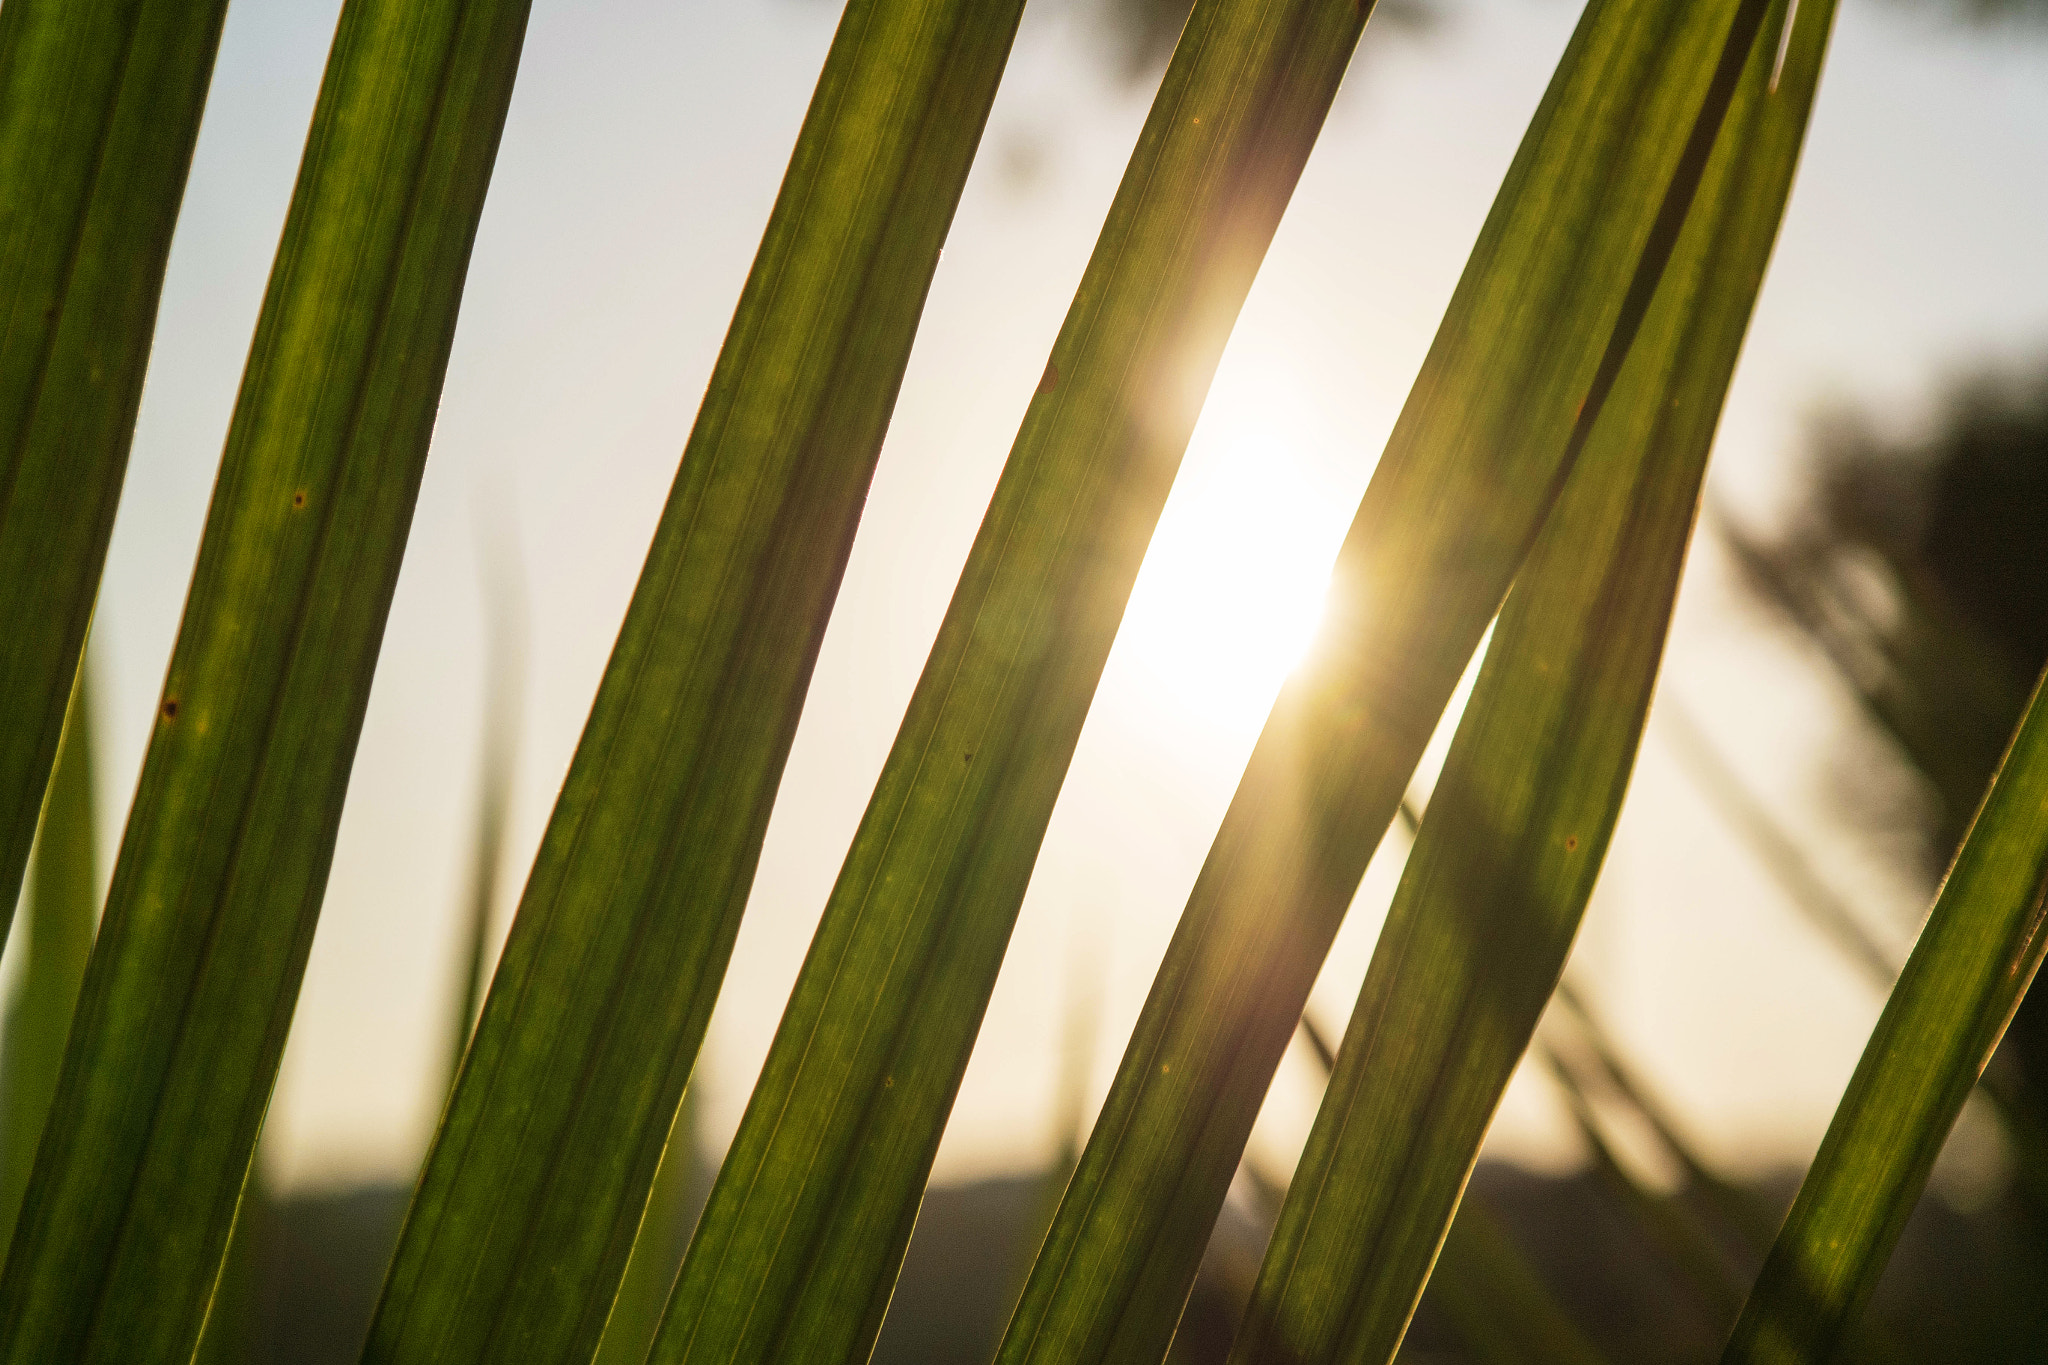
(1232, 588)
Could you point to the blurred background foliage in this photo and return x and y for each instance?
(1138, 34)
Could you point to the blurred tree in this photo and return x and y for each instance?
(1141, 33)
(1999, 11)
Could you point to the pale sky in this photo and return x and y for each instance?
(644, 147)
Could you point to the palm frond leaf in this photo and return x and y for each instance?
(807, 1223)
(1493, 893)
(1968, 972)
(527, 1208)
(1561, 279)
(99, 109)
(217, 889)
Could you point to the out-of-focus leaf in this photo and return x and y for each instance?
(800, 1243)
(504, 693)
(527, 1208)
(1966, 976)
(1498, 1303)
(672, 1207)
(217, 889)
(231, 1334)
(99, 108)
(1663, 1221)
(1517, 826)
(63, 912)
(1786, 864)
(1738, 1207)
(1563, 273)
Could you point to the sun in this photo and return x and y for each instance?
(1232, 588)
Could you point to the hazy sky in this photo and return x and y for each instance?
(644, 147)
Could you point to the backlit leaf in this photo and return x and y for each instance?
(535, 1185)
(99, 108)
(1559, 282)
(800, 1243)
(1967, 974)
(1517, 825)
(217, 888)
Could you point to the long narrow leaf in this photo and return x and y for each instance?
(99, 108)
(1563, 272)
(806, 1227)
(63, 912)
(1493, 1296)
(1493, 893)
(2006, 1088)
(1966, 976)
(218, 885)
(527, 1207)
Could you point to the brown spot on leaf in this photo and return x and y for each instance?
(170, 708)
(299, 498)
(1571, 843)
(1050, 379)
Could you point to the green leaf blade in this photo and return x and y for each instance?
(1507, 856)
(799, 1246)
(527, 1207)
(100, 103)
(217, 889)
(1975, 958)
(1552, 295)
